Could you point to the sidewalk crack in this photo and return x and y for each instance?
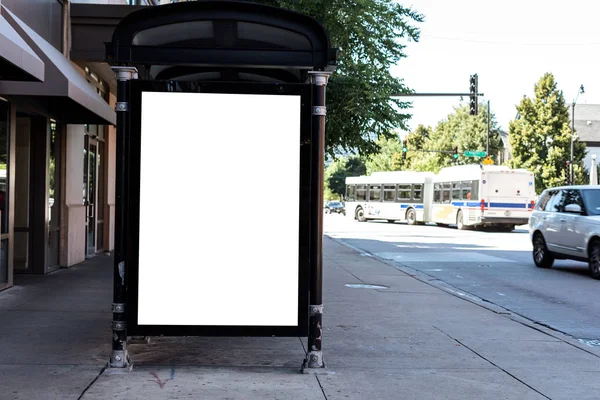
(91, 383)
(492, 363)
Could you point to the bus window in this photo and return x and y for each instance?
(446, 193)
(403, 192)
(350, 192)
(456, 191)
(417, 192)
(361, 192)
(374, 193)
(389, 192)
(437, 193)
(474, 190)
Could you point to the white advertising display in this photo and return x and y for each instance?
(219, 209)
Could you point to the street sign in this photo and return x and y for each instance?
(473, 153)
(488, 161)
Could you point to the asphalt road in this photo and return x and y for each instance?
(496, 267)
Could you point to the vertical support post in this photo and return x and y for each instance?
(487, 143)
(314, 356)
(119, 357)
(571, 180)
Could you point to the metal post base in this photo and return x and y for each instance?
(314, 364)
(138, 340)
(119, 359)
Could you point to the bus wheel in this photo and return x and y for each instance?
(411, 217)
(360, 214)
(459, 221)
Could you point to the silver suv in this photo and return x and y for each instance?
(565, 224)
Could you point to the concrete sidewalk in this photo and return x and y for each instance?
(409, 341)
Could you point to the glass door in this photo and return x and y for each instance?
(90, 197)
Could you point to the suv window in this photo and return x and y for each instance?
(553, 197)
(570, 196)
(541, 205)
(592, 201)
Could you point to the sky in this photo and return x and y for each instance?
(510, 44)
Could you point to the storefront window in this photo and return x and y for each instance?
(4, 136)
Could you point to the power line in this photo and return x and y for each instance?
(510, 43)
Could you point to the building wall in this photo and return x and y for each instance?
(74, 251)
(45, 16)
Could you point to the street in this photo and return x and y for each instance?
(494, 267)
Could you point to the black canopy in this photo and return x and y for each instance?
(221, 40)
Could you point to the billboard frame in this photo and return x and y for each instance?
(132, 182)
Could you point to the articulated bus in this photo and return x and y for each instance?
(466, 195)
(392, 196)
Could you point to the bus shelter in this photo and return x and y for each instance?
(219, 189)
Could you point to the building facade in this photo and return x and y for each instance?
(587, 129)
(57, 141)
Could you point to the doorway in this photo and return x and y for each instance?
(90, 195)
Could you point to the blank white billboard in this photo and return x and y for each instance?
(219, 209)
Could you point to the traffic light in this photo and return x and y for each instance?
(473, 95)
(455, 152)
(404, 149)
(567, 165)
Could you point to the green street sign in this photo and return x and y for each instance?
(472, 153)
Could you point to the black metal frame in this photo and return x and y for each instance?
(132, 179)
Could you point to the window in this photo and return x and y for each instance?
(361, 192)
(474, 190)
(553, 198)
(417, 192)
(570, 196)
(437, 193)
(350, 192)
(592, 201)
(456, 191)
(446, 192)
(543, 201)
(374, 193)
(404, 192)
(389, 192)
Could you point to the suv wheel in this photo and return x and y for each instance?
(541, 256)
(594, 259)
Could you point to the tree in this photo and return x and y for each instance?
(337, 172)
(461, 130)
(368, 35)
(540, 137)
(389, 157)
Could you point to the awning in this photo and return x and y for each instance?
(65, 93)
(18, 62)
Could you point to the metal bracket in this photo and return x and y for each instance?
(125, 73)
(319, 110)
(121, 106)
(118, 307)
(319, 78)
(316, 309)
(313, 363)
(119, 325)
(120, 359)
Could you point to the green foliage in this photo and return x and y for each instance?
(389, 157)
(336, 173)
(540, 138)
(368, 36)
(459, 129)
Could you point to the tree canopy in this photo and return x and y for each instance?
(368, 35)
(461, 130)
(540, 137)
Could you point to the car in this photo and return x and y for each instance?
(335, 207)
(565, 224)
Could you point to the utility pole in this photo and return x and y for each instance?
(487, 143)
